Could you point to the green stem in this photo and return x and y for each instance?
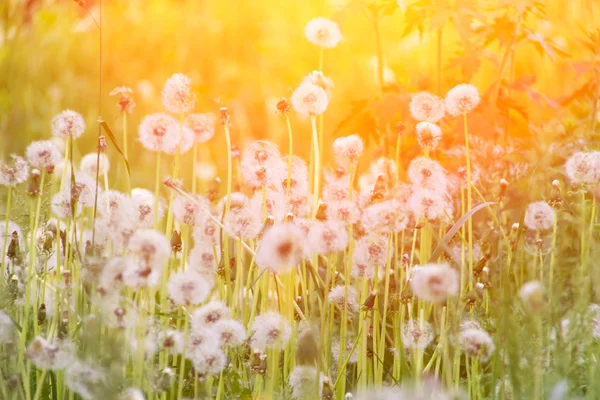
(6, 237)
(317, 172)
(291, 154)
(157, 189)
(469, 201)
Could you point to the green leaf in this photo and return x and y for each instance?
(109, 133)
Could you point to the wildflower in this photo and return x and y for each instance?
(385, 217)
(202, 260)
(49, 355)
(68, 124)
(426, 107)
(461, 99)
(417, 334)
(172, 340)
(434, 282)
(261, 165)
(62, 207)
(344, 297)
(190, 211)
(309, 99)
(306, 382)
(209, 314)
(84, 189)
(150, 249)
(161, 132)
(430, 205)
(86, 380)
(126, 103)
(90, 161)
(143, 203)
(372, 248)
(428, 135)
(323, 32)
(362, 268)
(317, 78)
(539, 216)
(327, 237)
(132, 394)
(270, 330)
(280, 248)
(211, 360)
(43, 154)
(188, 288)
(203, 126)
(532, 294)
(583, 168)
(349, 354)
(7, 328)
(116, 207)
(177, 96)
(476, 343)
(111, 277)
(199, 339)
(299, 178)
(348, 150)
(15, 174)
(243, 223)
(426, 173)
(344, 210)
(232, 333)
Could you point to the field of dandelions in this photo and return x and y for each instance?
(440, 242)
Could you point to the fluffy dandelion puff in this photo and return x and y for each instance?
(126, 103)
(434, 282)
(68, 124)
(209, 314)
(61, 206)
(476, 343)
(150, 249)
(232, 333)
(211, 360)
(177, 94)
(344, 297)
(306, 382)
(385, 217)
(539, 216)
(191, 211)
(86, 380)
(43, 154)
(323, 32)
(583, 168)
(426, 173)
(132, 394)
(243, 223)
(202, 260)
(309, 99)
(49, 355)
(261, 164)
(327, 237)
(461, 99)
(348, 150)
(425, 106)
(143, 207)
(12, 175)
(417, 334)
(161, 132)
(188, 288)
(270, 330)
(89, 162)
(200, 339)
(428, 135)
(430, 205)
(280, 248)
(203, 126)
(533, 295)
(317, 78)
(7, 328)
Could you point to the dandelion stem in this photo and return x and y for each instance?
(156, 189)
(469, 201)
(317, 172)
(291, 154)
(6, 233)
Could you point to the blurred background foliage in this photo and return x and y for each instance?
(536, 64)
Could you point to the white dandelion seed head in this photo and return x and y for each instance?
(385, 217)
(461, 99)
(53, 355)
(362, 268)
(327, 237)
(191, 211)
(161, 132)
(349, 354)
(126, 103)
(111, 277)
(280, 248)
(372, 249)
(305, 381)
(347, 151)
(244, 223)
(177, 96)
(309, 99)
(84, 189)
(344, 298)
(583, 168)
(232, 333)
(172, 340)
(209, 314)
(61, 206)
(202, 260)
(203, 126)
(299, 177)
(261, 165)
(417, 334)
(43, 154)
(323, 32)
(539, 216)
(533, 295)
(336, 190)
(210, 360)
(188, 288)
(200, 338)
(431, 205)
(270, 330)
(12, 175)
(150, 250)
(206, 233)
(428, 135)
(345, 210)
(434, 282)
(143, 203)
(239, 201)
(317, 78)
(89, 162)
(85, 379)
(68, 124)
(425, 106)
(426, 173)
(132, 394)
(8, 329)
(116, 207)
(274, 204)
(476, 343)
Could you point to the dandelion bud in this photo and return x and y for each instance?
(102, 146)
(321, 214)
(176, 242)
(556, 184)
(225, 118)
(172, 183)
(515, 227)
(283, 106)
(503, 183)
(533, 296)
(33, 188)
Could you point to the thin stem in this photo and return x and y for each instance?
(156, 189)
(291, 154)
(317, 172)
(469, 202)
(6, 225)
(194, 167)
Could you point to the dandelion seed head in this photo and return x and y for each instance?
(323, 32)
(89, 162)
(533, 295)
(143, 203)
(344, 298)
(53, 355)
(150, 250)
(132, 394)
(426, 173)
(261, 165)
(346, 211)
(305, 381)
(191, 211)
(232, 333)
(211, 360)
(348, 150)
(476, 343)
(280, 248)
(161, 132)
(270, 330)
(434, 282)
(385, 217)
(43, 154)
(539, 216)
(428, 135)
(425, 106)
(327, 237)
(68, 124)
(7, 329)
(430, 204)
(417, 334)
(209, 314)
(188, 288)
(317, 78)
(203, 126)
(583, 168)
(309, 99)
(202, 260)
(461, 99)
(177, 96)
(85, 379)
(12, 175)
(61, 206)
